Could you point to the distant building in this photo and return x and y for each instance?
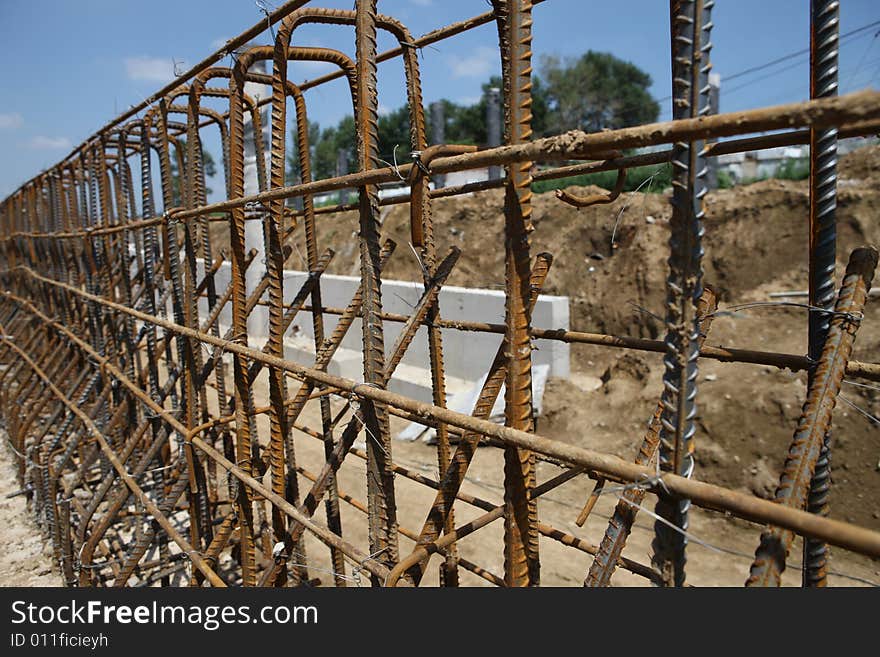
(456, 178)
(754, 165)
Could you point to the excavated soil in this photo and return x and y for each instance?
(755, 243)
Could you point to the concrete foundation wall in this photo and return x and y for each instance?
(467, 355)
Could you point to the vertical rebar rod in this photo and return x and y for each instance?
(824, 30)
(815, 419)
(281, 438)
(690, 27)
(382, 519)
(521, 562)
(243, 397)
(622, 520)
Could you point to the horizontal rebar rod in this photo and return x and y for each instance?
(793, 362)
(140, 452)
(703, 494)
(852, 108)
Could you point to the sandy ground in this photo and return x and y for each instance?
(725, 563)
(26, 560)
(755, 243)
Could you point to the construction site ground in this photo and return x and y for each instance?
(755, 244)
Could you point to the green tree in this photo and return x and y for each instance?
(596, 91)
(540, 107)
(294, 173)
(466, 124)
(394, 131)
(332, 140)
(207, 162)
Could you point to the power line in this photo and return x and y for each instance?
(792, 55)
(848, 84)
(763, 77)
(783, 58)
(862, 59)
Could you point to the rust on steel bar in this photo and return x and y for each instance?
(425, 550)
(216, 56)
(594, 199)
(521, 561)
(794, 487)
(824, 32)
(852, 109)
(704, 494)
(360, 506)
(283, 52)
(342, 447)
(545, 530)
(411, 44)
(723, 354)
(252, 483)
(690, 26)
(364, 561)
(185, 311)
(196, 197)
(184, 545)
(855, 110)
(380, 479)
(277, 172)
(204, 374)
(238, 282)
(453, 478)
(624, 516)
(789, 138)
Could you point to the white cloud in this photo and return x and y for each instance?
(481, 63)
(11, 121)
(154, 69)
(43, 143)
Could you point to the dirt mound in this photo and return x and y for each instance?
(861, 165)
(755, 243)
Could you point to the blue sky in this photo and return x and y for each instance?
(71, 65)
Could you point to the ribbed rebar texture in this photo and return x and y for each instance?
(521, 564)
(815, 419)
(691, 28)
(824, 30)
(380, 480)
(622, 520)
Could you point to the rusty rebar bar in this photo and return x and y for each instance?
(824, 30)
(130, 443)
(815, 420)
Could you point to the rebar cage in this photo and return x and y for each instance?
(144, 467)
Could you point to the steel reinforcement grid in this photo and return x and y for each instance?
(134, 416)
